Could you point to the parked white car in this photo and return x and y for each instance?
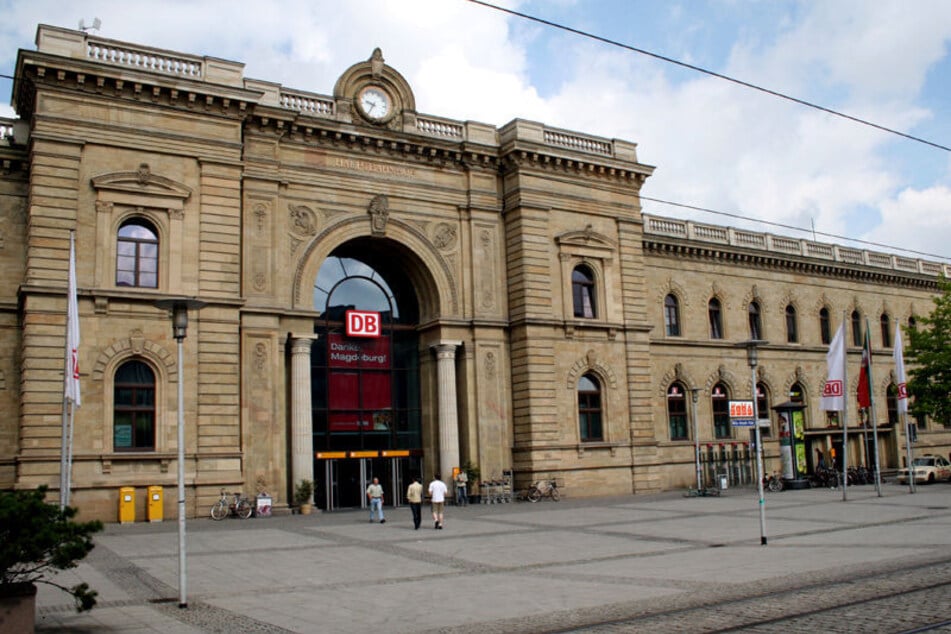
(928, 468)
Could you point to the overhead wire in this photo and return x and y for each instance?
(705, 71)
(745, 84)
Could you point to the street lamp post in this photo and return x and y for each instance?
(751, 359)
(695, 397)
(179, 307)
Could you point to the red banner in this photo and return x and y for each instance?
(358, 353)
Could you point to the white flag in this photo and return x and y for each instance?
(833, 392)
(71, 390)
(899, 357)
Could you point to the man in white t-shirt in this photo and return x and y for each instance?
(437, 491)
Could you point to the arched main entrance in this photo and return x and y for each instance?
(365, 390)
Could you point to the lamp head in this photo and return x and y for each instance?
(179, 307)
(752, 354)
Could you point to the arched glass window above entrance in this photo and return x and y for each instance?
(365, 381)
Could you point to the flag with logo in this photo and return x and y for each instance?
(899, 356)
(71, 389)
(865, 374)
(833, 392)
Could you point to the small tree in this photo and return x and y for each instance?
(303, 492)
(929, 357)
(37, 539)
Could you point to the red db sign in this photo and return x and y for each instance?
(363, 323)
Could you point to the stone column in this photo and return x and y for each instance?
(302, 440)
(448, 413)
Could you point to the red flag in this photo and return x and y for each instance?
(864, 392)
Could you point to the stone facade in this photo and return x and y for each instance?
(251, 187)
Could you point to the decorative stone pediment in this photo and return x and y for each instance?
(586, 238)
(142, 181)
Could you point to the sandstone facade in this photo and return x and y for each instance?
(252, 187)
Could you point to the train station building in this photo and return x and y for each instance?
(389, 293)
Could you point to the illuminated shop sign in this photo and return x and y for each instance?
(363, 323)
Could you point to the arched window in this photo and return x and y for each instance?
(589, 409)
(677, 412)
(796, 394)
(825, 328)
(582, 292)
(137, 254)
(133, 408)
(886, 331)
(912, 323)
(672, 316)
(762, 408)
(720, 400)
(891, 403)
(716, 319)
(756, 321)
(792, 329)
(856, 328)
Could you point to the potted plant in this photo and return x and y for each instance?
(472, 473)
(36, 540)
(302, 496)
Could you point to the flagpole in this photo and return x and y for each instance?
(845, 422)
(901, 401)
(71, 391)
(871, 405)
(64, 440)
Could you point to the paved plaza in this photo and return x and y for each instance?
(673, 561)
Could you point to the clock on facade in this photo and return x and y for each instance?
(375, 103)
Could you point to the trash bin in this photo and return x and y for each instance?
(126, 505)
(156, 507)
(262, 508)
(724, 481)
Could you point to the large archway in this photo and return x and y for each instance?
(365, 387)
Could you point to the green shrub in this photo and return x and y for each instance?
(37, 539)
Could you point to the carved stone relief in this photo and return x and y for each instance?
(260, 358)
(379, 212)
(444, 236)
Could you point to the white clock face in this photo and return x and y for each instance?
(374, 103)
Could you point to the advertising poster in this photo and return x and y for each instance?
(799, 433)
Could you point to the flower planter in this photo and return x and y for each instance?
(18, 607)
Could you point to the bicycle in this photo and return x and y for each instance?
(543, 488)
(230, 503)
(773, 483)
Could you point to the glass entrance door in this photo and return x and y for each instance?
(346, 480)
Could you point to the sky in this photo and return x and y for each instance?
(715, 144)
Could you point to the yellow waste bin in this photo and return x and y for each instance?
(156, 504)
(126, 505)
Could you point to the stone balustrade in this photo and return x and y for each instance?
(142, 58)
(687, 229)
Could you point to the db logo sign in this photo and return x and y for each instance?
(363, 323)
(902, 390)
(832, 388)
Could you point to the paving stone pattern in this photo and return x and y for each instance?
(661, 563)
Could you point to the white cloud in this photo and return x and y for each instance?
(715, 144)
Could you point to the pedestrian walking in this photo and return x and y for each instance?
(462, 483)
(375, 495)
(414, 495)
(437, 492)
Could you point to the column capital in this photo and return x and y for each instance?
(446, 349)
(301, 344)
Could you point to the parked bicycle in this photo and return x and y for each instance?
(825, 477)
(230, 503)
(773, 482)
(543, 488)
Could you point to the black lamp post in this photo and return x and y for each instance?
(179, 306)
(752, 360)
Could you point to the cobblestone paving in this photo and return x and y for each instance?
(612, 565)
(893, 599)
